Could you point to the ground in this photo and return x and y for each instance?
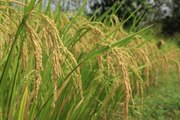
(161, 102)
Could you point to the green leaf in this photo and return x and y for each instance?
(23, 104)
(29, 8)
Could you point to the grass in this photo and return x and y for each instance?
(56, 67)
(161, 102)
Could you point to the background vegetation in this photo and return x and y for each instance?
(163, 13)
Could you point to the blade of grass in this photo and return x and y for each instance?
(130, 16)
(106, 13)
(23, 105)
(15, 76)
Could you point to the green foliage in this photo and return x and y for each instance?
(171, 24)
(146, 13)
(23, 105)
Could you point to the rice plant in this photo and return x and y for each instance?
(56, 67)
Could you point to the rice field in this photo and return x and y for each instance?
(59, 66)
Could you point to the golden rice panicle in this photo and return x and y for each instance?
(153, 56)
(116, 64)
(50, 39)
(101, 67)
(56, 73)
(143, 55)
(116, 23)
(90, 39)
(60, 51)
(122, 60)
(77, 75)
(114, 20)
(176, 58)
(137, 59)
(38, 59)
(110, 67)
(60, 56)
(38, 56)
(24, 56)
(58, 60)
(165, 63)
(137, 40)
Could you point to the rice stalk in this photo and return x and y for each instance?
(38, 59)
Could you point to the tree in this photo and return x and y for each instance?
(171, 24)
(127, 8)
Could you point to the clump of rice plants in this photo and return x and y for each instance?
(56, 68)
